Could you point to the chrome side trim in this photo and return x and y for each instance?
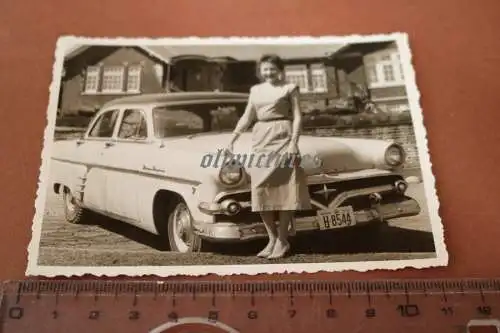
(124, 170)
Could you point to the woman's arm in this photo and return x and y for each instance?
(297, 115)
(245, 121)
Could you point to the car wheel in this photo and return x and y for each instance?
(73, 212)
(181, 235)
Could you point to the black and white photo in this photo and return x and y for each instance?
(192, 156)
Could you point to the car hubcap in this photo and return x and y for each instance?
(182, 228)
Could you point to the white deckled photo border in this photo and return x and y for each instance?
(64, 43)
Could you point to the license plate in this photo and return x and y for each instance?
(341, 217)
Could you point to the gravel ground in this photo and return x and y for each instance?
(111, 243)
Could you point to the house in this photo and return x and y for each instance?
(375, 67)
(352, 70)
(94, 75)
(305, 66)
(329, 76)
(325, 74)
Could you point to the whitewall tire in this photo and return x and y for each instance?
(181, 236)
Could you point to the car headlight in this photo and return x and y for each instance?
(395, 155)
(231, 173)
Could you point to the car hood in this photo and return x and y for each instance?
(336, 154)
(182, 158)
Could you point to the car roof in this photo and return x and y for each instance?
(176, 98)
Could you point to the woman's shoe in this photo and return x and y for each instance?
(280, 250)
(267, 251)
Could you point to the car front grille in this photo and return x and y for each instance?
(319, 195)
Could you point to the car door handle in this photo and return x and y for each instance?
(109, 144)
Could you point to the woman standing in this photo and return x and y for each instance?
(276, 187)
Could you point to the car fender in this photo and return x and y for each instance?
(70, 175)
(151, 186)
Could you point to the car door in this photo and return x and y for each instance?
(125, 159)
(97, 140)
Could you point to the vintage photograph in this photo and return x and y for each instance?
(192, 156)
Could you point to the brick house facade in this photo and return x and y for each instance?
(94, 75)
(97, 74)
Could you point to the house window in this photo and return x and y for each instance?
(298, 75)
(112, 79)
(134, 79)
(384, 69)
(92, 79)
(308, 79)
(318, 78)
(388, 73)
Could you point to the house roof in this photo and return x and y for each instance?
(359, 49)
(235, 52)
(75, 50)
(181, 98)
(225, 53)
(238, 53)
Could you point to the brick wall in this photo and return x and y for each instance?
(402, 134)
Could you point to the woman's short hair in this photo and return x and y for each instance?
(273, 59)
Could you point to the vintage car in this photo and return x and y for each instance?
(140, 162)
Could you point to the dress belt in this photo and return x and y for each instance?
(274, 119)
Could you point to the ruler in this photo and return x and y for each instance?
(75, 306)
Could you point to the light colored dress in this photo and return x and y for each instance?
(274, 186)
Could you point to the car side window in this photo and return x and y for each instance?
(224, 118)
(177, 122)
(133, 125)
(103, 127)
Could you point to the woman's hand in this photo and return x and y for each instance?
(229, 149)
(293, 148)
(294, 159)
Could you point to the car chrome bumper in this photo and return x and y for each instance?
(230, 232)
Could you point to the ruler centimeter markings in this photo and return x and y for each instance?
(254, 306)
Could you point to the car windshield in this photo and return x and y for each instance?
(172, 121)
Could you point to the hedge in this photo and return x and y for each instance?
(356, 120)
